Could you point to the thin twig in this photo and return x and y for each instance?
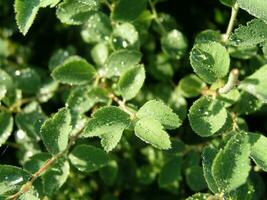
(156, 17)
(231, 22)
(231, 83)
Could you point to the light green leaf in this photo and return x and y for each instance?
(151, 131)
(210, 61)
(28, 80)
(97, 28)
(75, 12)
(99, 53)
(6, 126)
(195, 178)
(75, 70)
(51, 3)
(87, 158)
(108, 123)
(171, 171)
(231, 166)
(125, 36)
(174, 44)
(160, 112)
(255, 84)
(55, 131)
(29, 195)
(208, 36)
(208, 156)
(2, 92)
(242, 35)
(258, 149)
(11, 179)
(191, 86)
(207, 116)
(26, 12)
(131, 82)
(126, 10)
(121, 60)
(256, 8)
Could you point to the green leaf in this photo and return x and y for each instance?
(146, 174)
(75, 12)
(29, 195)
(231, 166)
(25, 122)
(207, 116)
(125, 36)
(56, 176)
(26, 12)
(151, 131)
(160, 112)
(2, 92)
(255, 84)
(195, 178)
(6, 126)
(208, 36)
(171, 171)
(55, 131)
(28, 80)
(258, 150)
(210, 61)
(11, 179)
(131, 82)
(125, 10)
(121, 60)
(88, 158)
(108, 123)
(75, 70)
(208, 156)
(242, 35)
(174, 44)
(256, 8)
(97, 28)
(99, 53)
(191, 86)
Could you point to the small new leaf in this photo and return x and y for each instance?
(55, 131)
(75, 70)
(160, 112)
(210, 61)
(231, 166)
(87, 158)
(131, 82)
(207, 116)
(151, 131)
(108, 123)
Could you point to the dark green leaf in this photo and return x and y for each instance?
(88, 158)
(131, 82)
(125, 10)
(55, 131)
(107, 123)
(11, 179)
(210, 61)
(121, 60)
(207, 116)
(195, 179)
(75, 12)
(231, 166)
(75, 70)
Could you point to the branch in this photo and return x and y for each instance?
(231, 83)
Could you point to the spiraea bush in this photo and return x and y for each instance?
(131, 99)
